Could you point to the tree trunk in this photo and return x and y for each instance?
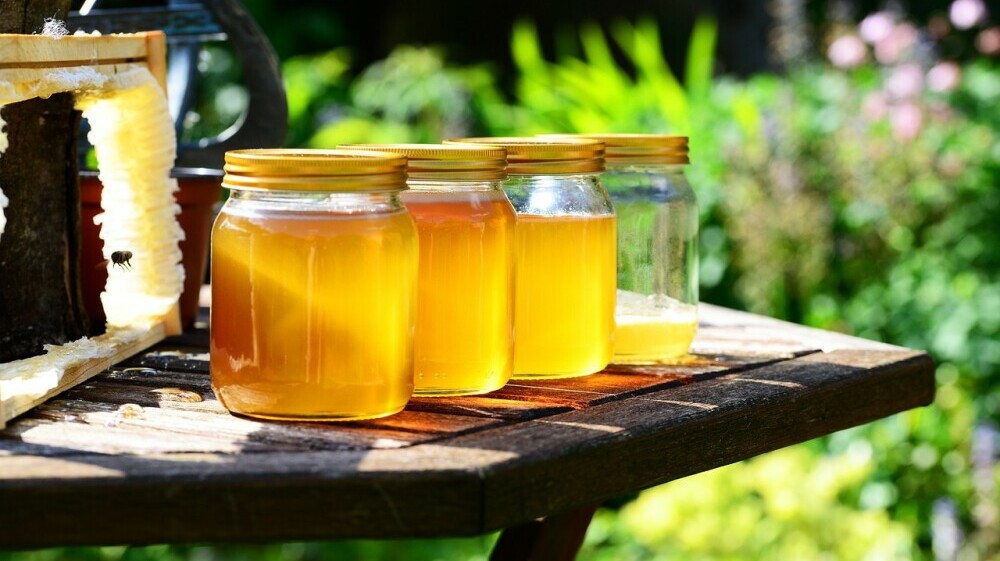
(40, 299)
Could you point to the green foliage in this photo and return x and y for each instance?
(220, 98)
(467, 549)
(562, 96)
(412, 96)
(315, 86)
(790, 504)
(701, 57)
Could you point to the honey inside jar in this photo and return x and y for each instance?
(564, 255)
(565, 270)
(651, 329)
(313, 304)
(464, 336)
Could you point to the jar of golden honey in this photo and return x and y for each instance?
(314, 272)
(564, 256)
(464, 340)
(656, 316)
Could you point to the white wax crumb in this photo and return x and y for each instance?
(54, 28)
(37, 376)
(3, 134)
(70, 79)
(3, 204)
(82, 347)
(44, 82)
(3, 200)
(57, 358)
(179, 354)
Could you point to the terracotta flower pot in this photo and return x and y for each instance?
(200, 189)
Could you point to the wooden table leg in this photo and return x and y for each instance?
(554, 538)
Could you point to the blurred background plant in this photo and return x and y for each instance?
(858, 189)
(411, 96)
(860, 195)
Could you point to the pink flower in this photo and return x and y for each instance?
(847, 51)
(944, 77)
(988, 41)
(906, 121)
(875, 106)
(876, 27)
(901, 39)
(905, 81)
(967, 13)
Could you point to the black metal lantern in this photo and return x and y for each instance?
(189, 24)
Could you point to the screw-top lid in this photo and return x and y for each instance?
(314, 170)
(447, 162)
(637, 148)
(546, 156)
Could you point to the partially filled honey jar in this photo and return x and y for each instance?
(564, 256)
(464, 341)
(314, 271)
(657, 311)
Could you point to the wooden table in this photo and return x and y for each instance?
(145, 454)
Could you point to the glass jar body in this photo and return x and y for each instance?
(313, 304)
(564, 288)
(656, 315)
(464, 338)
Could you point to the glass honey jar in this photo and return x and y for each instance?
(564, 256)
(314, 271)
(657, 311)
(464, 339)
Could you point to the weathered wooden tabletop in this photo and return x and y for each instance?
(145, 454)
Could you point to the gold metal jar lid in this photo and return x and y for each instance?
(447, 162)
(546, 156)
(314, 170)
(638, 148)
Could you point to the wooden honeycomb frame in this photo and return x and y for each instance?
(30, 66)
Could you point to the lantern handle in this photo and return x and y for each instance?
(188, 24)
(264, 124)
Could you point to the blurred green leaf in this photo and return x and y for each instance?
(701, 57)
